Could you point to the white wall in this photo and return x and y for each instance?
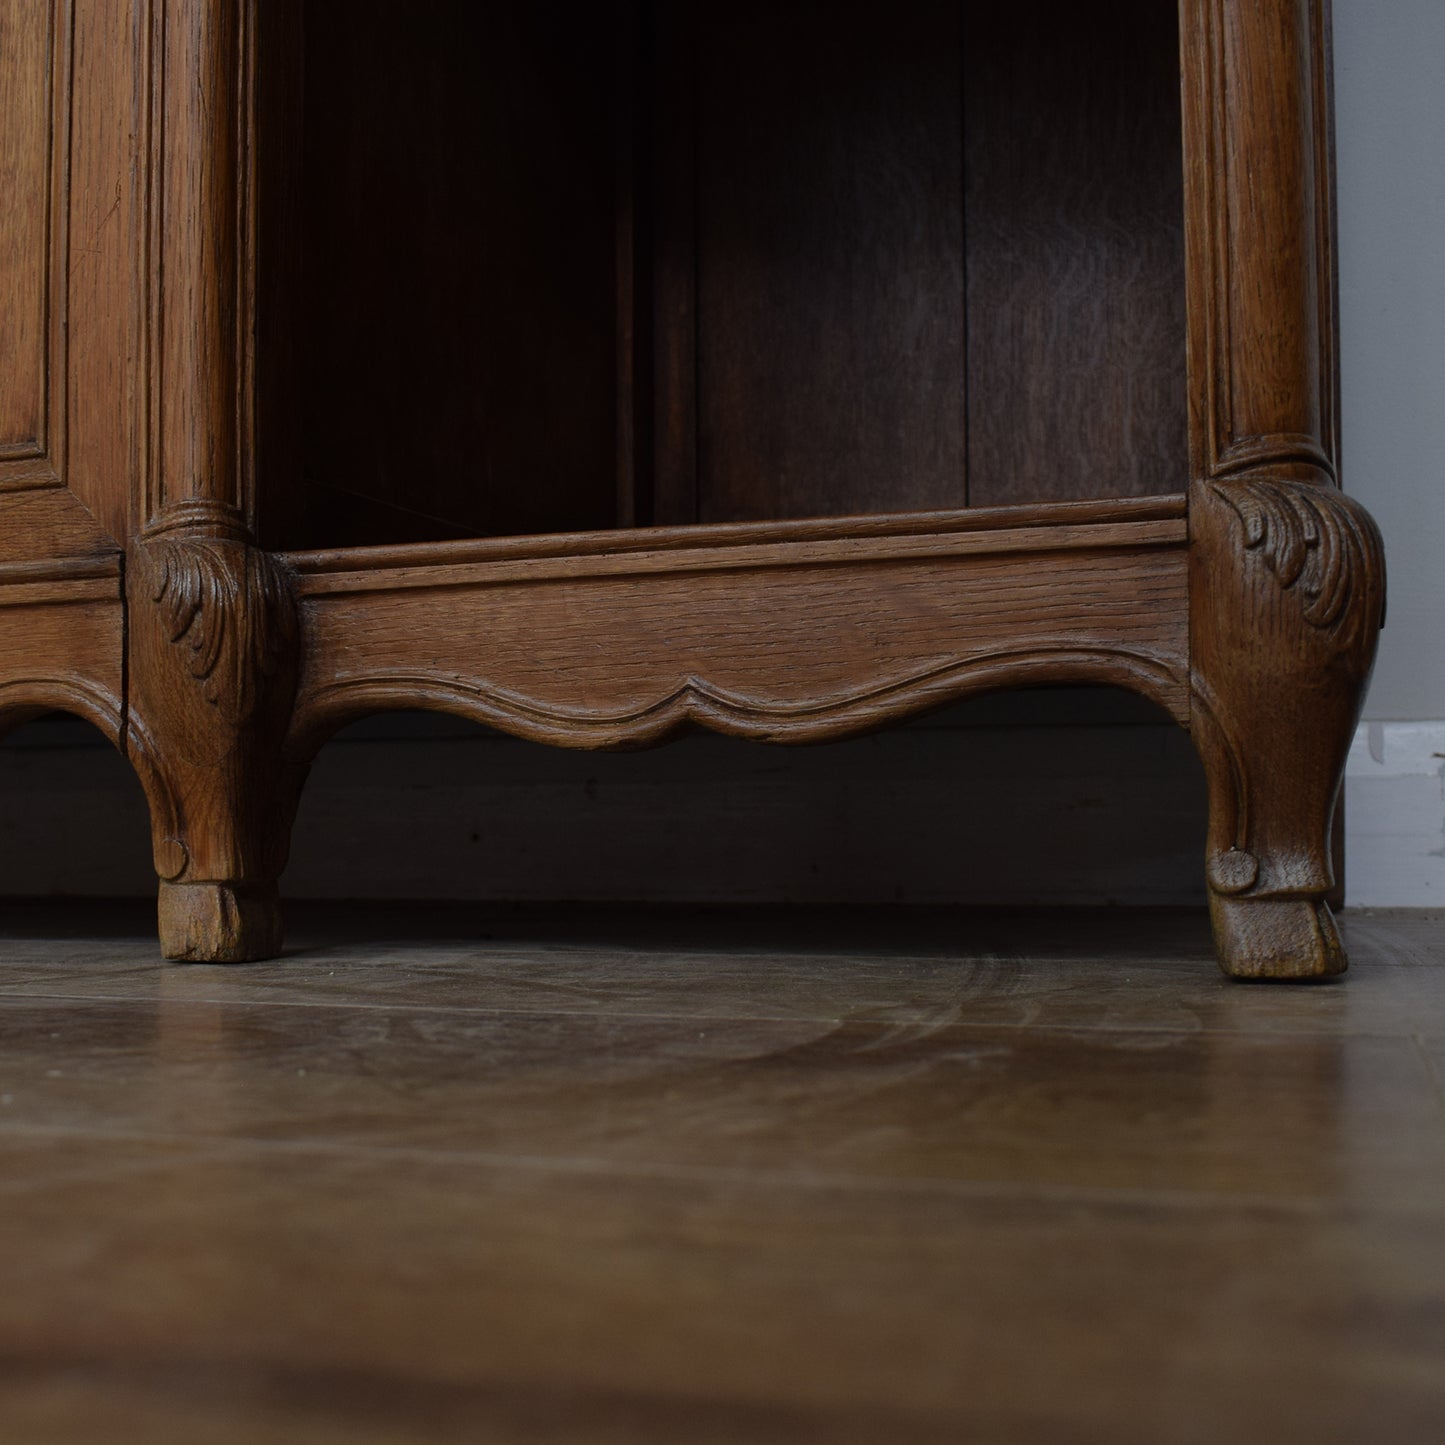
(1390, 148)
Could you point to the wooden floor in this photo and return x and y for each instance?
(780, 1177)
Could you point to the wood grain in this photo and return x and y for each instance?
(34, 142)
(790, 214)
(1287, 584)
(211, 652)
(1287, 597)
(62, 626)
(210, 647)
(1265, 395)
(1075, 231)
(1042, 521)
(72, 344)
(47, 523)
(833, 1179)
(62, 644)
(669, 84)
(845, 638)
(735, 556)
(199, 292)
(108, 194)
(276, 385)
(829, 260)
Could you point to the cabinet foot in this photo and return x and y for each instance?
(1276, 938)
(219, 922)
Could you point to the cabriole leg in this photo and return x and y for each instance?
(213, 652)
(1287, 592)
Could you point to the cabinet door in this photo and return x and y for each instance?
(71, 392)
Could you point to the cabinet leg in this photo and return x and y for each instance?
(219, 922)
(213, 654)
(1287, 598)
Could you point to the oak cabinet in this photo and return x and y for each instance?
(598, 371)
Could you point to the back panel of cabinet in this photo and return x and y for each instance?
(1074, 199)
(542, 268)
(815, 216)
(451, 299)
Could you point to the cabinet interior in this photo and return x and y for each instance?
(550, 268)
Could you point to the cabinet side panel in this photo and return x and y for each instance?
(1075, 229)
(829, 259)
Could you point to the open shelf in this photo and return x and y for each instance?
(550, 268)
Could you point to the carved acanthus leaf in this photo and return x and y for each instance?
(229, 608)
(1315, 541)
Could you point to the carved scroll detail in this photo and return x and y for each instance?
(229, 608)
(1316, 542)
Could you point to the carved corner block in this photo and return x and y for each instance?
(1287, 597)
(213, 653)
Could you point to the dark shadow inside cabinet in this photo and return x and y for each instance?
(557, 268)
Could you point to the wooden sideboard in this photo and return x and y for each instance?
(596, 372)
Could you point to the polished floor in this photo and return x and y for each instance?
(699, 1177)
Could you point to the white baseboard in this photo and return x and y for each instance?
(1395, 816)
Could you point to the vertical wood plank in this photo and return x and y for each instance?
(280, 373)
(1257, 101)
(1275, 378)
(1076, 317)
(674, 160)
(634, 499)
(830, 277)
(198, 280)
